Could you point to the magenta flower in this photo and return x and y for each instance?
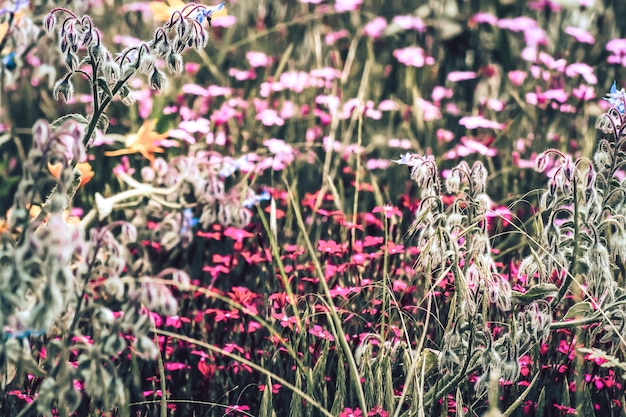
(375, 28)
(413, 56)
(237, 409)
(330, 246)
(348, 412)
(285, 320)
(319, 331)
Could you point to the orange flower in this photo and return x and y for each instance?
(143, 142)
(86, 173)
(163, 10)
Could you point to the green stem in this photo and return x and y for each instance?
(569, 277)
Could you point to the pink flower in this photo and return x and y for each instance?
(399, 143)
(535, 36)
(444, 135)
(288, 110)
(617, 46)
(517, 24)
(347, 5)
(455, 76)
(242, 75)
(580, 35)
(410, 22)
(583, 69)
(330, 247)
(413, 56)
(485, 18)
(285, 320)
(333, 37)
(429, 110)
(517, 77)
(319, 331)
(375, 27)
(348, 412)
(476, 122)
(549, 61)
(584, 92)
(439, 93)
(388, 210)
(388, 105)
(270, 117)
(295, 81)
(236, 408)
(224, 21)
(327, 73)
(258, 59)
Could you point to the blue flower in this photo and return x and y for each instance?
(616, 98)
(15, 7)
(207, 12)
(188, 221)
(249, 202)
(24, 334)
(8, 61)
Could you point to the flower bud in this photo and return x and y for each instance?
(50, 22)
(63, 87)
(541, 162)
(146, 65)
(157, 80)
(175, 63)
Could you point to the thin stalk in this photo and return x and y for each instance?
(249, 363)
(341, 336)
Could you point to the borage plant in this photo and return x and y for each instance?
(574, 271)
(76, 301)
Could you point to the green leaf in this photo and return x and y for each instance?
(104, 86)
(429, 359)
(537, 292)
(580, 309)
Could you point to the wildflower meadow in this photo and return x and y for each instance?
(302, 208)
